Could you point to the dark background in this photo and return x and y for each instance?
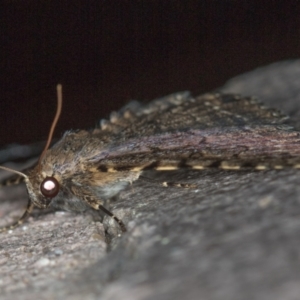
(108, 52)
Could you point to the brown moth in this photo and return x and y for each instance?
(220, 131)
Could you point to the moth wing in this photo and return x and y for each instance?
(180, 112)
(202, 131)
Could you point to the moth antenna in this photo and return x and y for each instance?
(15, 171)
(58, 112)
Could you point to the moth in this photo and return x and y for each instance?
(86, 167)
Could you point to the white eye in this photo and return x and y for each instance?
(49, 187)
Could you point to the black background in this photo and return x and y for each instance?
(108, 52)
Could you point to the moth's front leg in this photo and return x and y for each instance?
(13, 180)
(93, 201)
(21, 220)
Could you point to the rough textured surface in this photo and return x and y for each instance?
(234, 237)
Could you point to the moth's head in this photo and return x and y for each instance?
(42, 188)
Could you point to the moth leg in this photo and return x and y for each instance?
(25, 215)
(168, 183)
(13, 180)
(93, 201)
(121, 224)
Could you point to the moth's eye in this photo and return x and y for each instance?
(49, 187)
